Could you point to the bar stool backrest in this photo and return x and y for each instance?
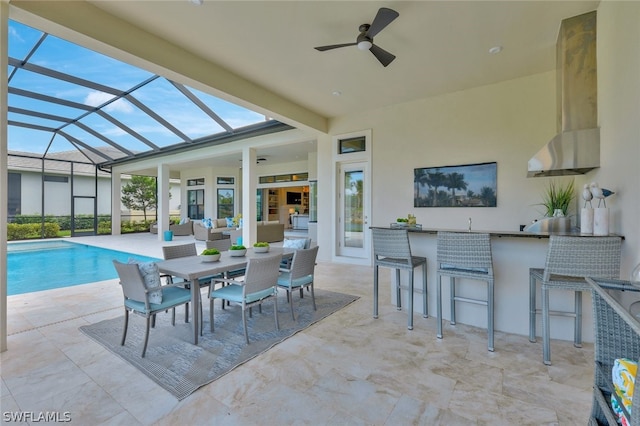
(392, 244)
(583, 257)
(465, 250)
(182, 250)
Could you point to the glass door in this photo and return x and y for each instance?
(353, 211)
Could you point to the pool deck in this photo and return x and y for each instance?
(346, 369)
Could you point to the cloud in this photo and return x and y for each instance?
(98, 98)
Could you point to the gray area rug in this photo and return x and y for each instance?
(179, 366)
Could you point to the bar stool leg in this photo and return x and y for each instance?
(546, 345)
(425, 308)
(452, 284)
(490, 314)
(577, 330)
(375, 291)
(532, 309)
(410, 308)
(439, 306)
(398, 291)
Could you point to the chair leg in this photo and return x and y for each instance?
(398, 291)
(546, 345)
(577, 329)
(313, 297)
(146, 338)
(211, 313)
(452, 284)
(173, 317)
(425, 306)
(439, 306)
(126, 324)
(293, 317)
(186, 312)
(153, 321)
(375, 291)
(532, 309)
(490, 315)
(410, 307)
(244, 323)
(275, 310)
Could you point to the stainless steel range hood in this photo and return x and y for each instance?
(576, 147)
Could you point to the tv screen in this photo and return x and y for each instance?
(294, 198)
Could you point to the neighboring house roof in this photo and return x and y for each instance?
(59, 162)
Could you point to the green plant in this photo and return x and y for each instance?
(261, 244)
(210, 252)
(402, 219)
(557, 197)
(237, 247)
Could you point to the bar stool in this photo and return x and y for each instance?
(465, 255)
(569, 261)
(391, 249)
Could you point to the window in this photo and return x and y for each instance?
(225, 203)
(15, 182)
(53, 178)
(195, 199)
(195, 182)
(346, 146)
(226, 180)
(291, 177)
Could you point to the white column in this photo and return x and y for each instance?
(4, 200)
(116, 204)
(163, 200)
(249, 188)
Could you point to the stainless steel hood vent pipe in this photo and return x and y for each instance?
(576, 147)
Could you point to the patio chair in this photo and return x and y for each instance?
(184, 250)
(137, 297)
(391, 249)
(465, 255)
(569, 261)
(260, 284)
(299, 275)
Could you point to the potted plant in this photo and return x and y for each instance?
(210, 255)
(237, 250)
(557, 199)
(261, 247)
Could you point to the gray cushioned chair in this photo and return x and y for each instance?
(569, 261)
(465, 255)
(299, 275)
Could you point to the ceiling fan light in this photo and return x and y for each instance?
(365, 45)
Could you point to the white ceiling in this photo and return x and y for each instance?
(441, 46)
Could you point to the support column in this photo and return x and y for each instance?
(163, 200)
(4, 177)
(249, 188)
(116, 203)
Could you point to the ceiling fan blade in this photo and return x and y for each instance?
(383, 18)
(382, 55)
(334, 46)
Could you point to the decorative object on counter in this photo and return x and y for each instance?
(601, 221)
(587, 196)
(469, 224)
(411, 220)
(586, 220)
(557, 198)
(471, 185)
(600, 193)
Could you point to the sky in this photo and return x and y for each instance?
(159, 95)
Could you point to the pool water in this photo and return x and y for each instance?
(44, 265)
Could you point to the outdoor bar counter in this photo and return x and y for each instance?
(514, 252)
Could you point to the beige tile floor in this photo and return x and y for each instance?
(347, 369)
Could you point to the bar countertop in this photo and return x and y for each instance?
(499, 234)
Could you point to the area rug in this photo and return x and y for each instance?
(180, 367)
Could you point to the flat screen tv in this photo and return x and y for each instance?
(294, 198)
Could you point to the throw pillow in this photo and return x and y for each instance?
(151, 275)
(207, 223)
(230, 222)
(294, 243)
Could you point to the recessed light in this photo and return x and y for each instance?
(495, 49)
(197, 2)
(336, 93)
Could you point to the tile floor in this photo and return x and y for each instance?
(346, 369)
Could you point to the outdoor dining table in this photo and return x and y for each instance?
(192, 269)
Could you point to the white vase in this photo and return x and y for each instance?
(586, 221)
(601, 221)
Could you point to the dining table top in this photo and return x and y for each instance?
(194, 267)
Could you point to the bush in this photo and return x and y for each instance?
(25, 231)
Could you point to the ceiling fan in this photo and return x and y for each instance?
(364, 41)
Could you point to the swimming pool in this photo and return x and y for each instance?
(44, 265)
